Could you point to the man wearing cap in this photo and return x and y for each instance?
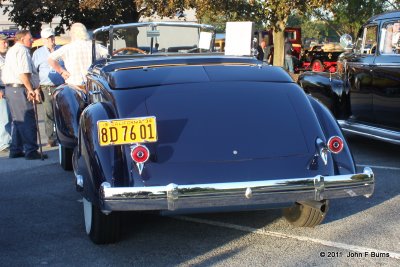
(22, 88)
(5, 120)
(49, 80)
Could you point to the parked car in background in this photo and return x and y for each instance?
(181, 129)
(321, 57)
(364, 94)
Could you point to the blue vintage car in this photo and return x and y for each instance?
(169, 125)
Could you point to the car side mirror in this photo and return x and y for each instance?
(346, 41)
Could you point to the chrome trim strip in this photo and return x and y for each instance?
(174, 196)
(154, 24)
(200, 64)
(389, 65)
(370, 131)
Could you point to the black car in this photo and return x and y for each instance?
(364, 94)
(178, 128)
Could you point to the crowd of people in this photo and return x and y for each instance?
(26, 80)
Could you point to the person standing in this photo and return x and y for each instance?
(5, 120)
(288, 55)
(22, 88)
(263, 46)
(267, 53)
(260, 51)
(77, 56)
(49, 80)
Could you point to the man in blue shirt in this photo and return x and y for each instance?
(49, 80)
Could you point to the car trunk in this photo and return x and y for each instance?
(227, 131)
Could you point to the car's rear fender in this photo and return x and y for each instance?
(329, 89)
(97, 164)
(68, 103)
(344, 161)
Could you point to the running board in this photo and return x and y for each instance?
(370, 131)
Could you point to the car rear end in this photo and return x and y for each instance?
(228, 136)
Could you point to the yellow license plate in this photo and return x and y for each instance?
(127, 131)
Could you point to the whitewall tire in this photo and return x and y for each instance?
(101, 228)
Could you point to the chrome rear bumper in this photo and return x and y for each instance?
(173, 197)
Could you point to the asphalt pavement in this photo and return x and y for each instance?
(41, 222)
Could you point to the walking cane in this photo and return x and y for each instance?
(37, 128)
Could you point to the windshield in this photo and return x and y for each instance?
(150, 38)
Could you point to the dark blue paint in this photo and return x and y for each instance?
(204, 114)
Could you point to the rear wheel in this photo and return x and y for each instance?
(101, 228)
(303, 215)
(65, 157)
(317, 66)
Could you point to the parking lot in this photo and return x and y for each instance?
(42, 224)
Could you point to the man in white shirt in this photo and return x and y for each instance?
(5, 120)
(77, 56)
(22, 88)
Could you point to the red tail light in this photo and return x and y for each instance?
(140, 154)
(335, 144)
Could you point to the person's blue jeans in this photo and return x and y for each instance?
(5, 125)
(289, 63)
(24, 131)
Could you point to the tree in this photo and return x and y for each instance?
(30, 14)
(94, 13)
(392, 5)
(347, 16)
(273, 13)
(218, 21)
(312, 29)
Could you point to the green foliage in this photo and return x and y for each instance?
(295, 20)
(30, 14)
(392, 5)
(218, 21)
(273, 14)
(318, 18)
(347, 16)
(312, 29)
